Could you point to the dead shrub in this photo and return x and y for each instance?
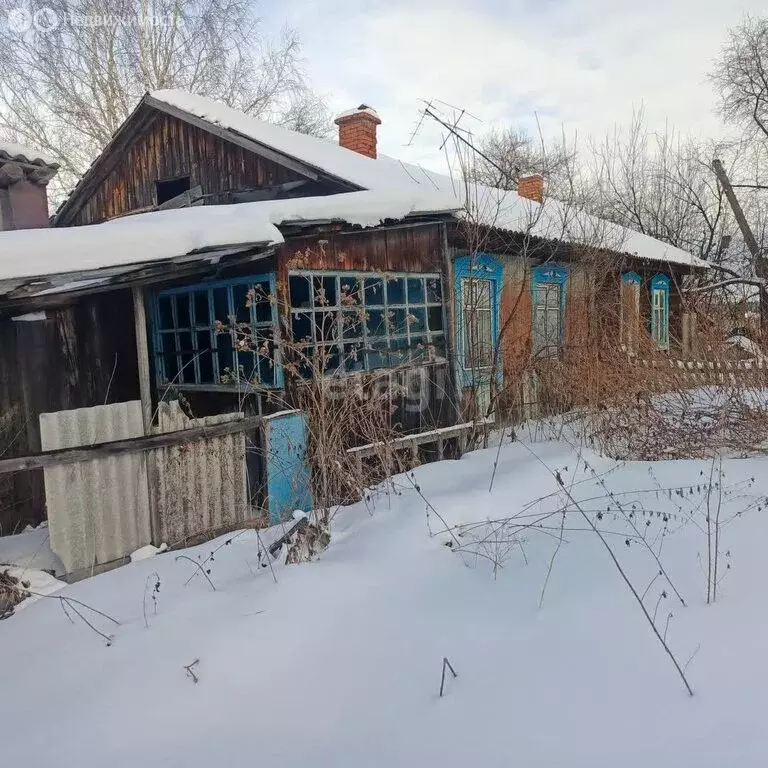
(653, 405)
(12, 591)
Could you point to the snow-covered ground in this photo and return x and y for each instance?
(30, 550)
(338, 662)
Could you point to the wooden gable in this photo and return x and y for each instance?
(154, 145)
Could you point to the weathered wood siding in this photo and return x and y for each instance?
(578, 298)
(399, 249)
(80, 356)
(167, 148)
(516, 318)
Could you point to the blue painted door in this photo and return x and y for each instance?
(288, 473)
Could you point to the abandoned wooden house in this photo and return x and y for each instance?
(207, 263)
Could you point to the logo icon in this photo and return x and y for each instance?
(20, 20)
(45, 20)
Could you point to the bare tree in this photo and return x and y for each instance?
(71, 73)
(663, 184)
(740, 75)
(660, 184)
(507, 154)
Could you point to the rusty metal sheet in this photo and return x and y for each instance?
(198, 488)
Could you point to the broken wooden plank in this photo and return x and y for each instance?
(277, 544)
(184, 200)
(64, 456)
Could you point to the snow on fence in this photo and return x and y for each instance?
(703, 372)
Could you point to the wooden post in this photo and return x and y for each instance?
(145, 392)
(760, 268)
(142, 356)
(450, 387)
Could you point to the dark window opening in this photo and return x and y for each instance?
(170, 188)
(356, 322)
(218, 334)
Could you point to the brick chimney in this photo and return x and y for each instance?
(357, 130)
(24, 176)
(531, 187)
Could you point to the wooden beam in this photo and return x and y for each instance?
(421, 438)
(759, 265)
(76, 455)
(738, 212)
(446, 277)
(184, 200)
(142, 355)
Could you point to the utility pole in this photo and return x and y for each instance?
(758, 259)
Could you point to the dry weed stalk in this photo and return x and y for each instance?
(652, 406)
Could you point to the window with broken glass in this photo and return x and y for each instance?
(217, 334)
(350, 322)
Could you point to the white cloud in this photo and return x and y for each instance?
(582, 65)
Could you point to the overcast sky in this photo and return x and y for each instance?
(580, 64)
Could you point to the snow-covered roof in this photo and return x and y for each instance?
(152, 237)
(11, 151)
(389, 189)
(363, 109)
(492, 207)
(323, 155)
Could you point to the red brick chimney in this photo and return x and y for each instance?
(531, 187)
(357, 130)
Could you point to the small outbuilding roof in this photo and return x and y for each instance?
(11, 151)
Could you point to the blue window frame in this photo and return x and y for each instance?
(548, 285)
(660, 311)
(218, 334)
(477, 288)
(353, 321)
(631, 278)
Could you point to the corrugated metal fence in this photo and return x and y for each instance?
(197, 487)
(100, 511)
